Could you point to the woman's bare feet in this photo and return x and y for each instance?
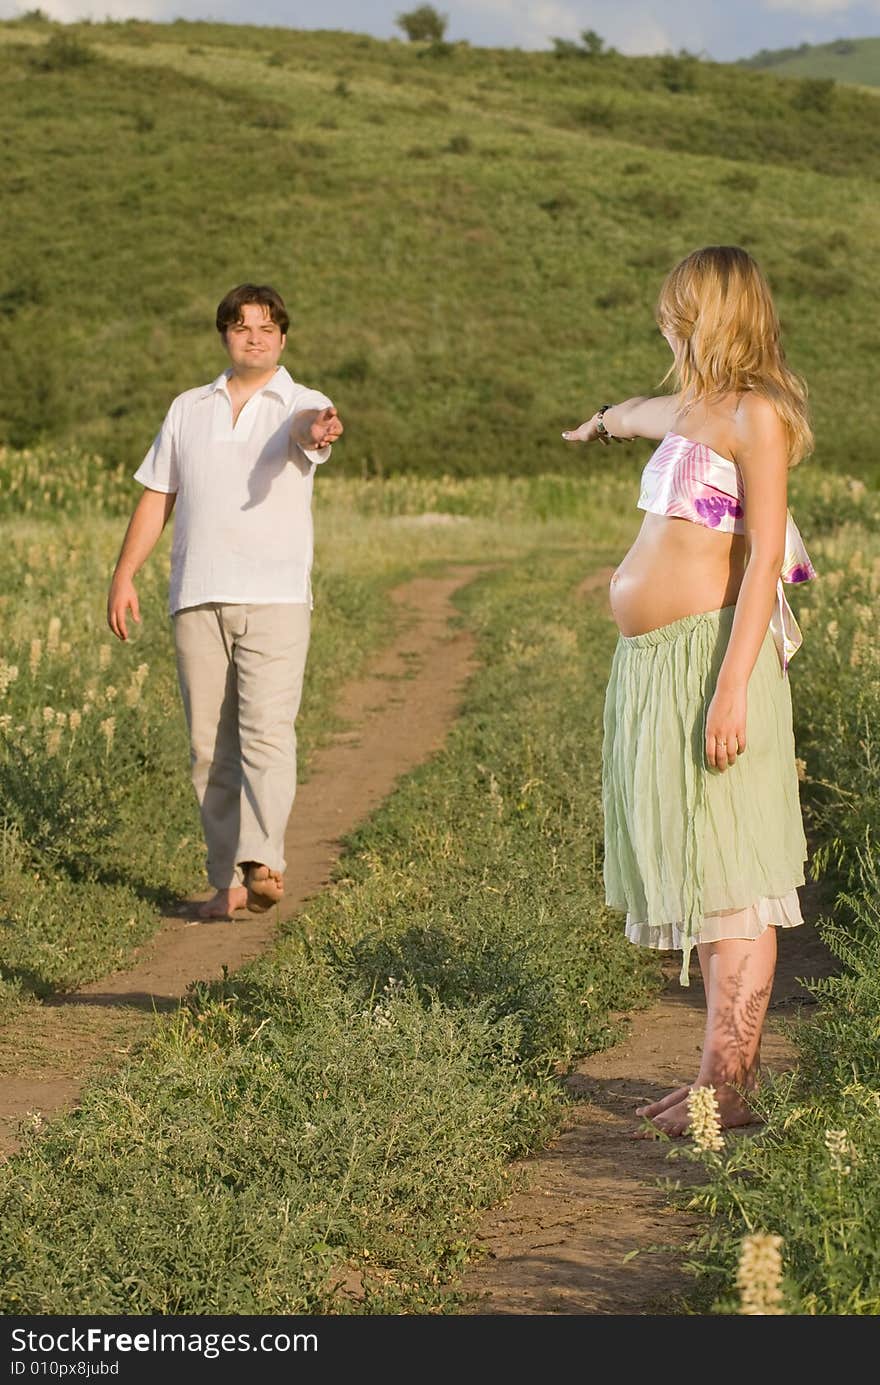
(223, 903)
(264, 887)
(674, 1120)
(671, 1099)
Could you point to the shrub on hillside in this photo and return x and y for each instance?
(61, 52)
(679, 73)
(814, 94)
(423, 25)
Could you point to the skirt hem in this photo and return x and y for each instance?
(745, 924)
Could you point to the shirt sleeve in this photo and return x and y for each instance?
(312, 399)
(159, 471)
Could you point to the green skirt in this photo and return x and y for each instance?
(685, 843)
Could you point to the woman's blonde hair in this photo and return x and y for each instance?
(717, 306)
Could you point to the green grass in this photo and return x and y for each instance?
(345, 1105)
(471, 244)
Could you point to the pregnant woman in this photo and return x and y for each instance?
(704, 844)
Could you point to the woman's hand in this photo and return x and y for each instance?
(588, 432)
(726, 728)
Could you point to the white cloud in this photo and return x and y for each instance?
(819, 7)
(631, 27)
(531, 25)
(68, 11)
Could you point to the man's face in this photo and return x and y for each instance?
(255, 343)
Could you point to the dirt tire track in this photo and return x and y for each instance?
(395, 717)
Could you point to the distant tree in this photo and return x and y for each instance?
(423, 25)
(566, 48)
(590, 46)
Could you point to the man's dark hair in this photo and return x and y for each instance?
(229, 308)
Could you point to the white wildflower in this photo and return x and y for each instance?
(8, 675)
(705, 1119)
(759, 1275)
(53, 638)
(841, 1149)
(862, 648)
(133, 695)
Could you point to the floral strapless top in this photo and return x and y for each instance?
(687, 480)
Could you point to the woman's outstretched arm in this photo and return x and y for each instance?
(643, 416)
(762, 456)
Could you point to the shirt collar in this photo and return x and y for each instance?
(280, 385)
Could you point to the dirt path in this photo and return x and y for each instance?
(589, 1201)
(396, 716)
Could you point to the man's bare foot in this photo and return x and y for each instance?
(675, 1120)
(223, 903)
(264, 888)
(672, 1099)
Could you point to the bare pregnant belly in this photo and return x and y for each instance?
(674, 569)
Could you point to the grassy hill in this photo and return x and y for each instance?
(471, 241)
(855, 60)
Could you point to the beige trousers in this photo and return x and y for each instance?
(241, 673)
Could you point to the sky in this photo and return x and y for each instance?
(720, 29)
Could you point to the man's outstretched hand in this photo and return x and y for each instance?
(317, 428)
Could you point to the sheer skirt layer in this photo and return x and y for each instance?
(693, 854)
(731, 923)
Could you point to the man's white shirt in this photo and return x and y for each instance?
(243, 515)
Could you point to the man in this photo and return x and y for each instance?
(238, 456)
